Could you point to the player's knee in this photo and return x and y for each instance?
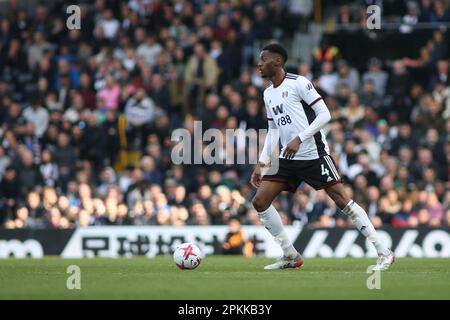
(260, 204)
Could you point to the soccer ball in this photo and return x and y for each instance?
(187, 256)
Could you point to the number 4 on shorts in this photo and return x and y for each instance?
(325, 171)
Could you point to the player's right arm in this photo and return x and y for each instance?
(269, 145)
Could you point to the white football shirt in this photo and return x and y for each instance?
(289, 107)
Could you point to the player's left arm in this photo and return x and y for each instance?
(308, 93)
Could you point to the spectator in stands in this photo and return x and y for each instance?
(48, 169)
(440, 12)
(377, 75)
(23, 220)
(140, 112)
(28, 173)
(109, 94)
(37, 49)
(426, 10)
(368, 96)
(411, 18)
(347, 75)
(325, 53)
(328, 79)
(38, 116)
(10, 192)
(107, 26)
(235, 239)
(5, 161)
(201, 75)
(354, 111)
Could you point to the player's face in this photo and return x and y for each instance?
(266, 64)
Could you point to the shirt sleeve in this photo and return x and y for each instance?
(268, 114)
(272, 138)
(270, 143)
(323, 116)
(307, 92)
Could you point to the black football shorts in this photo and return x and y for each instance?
(318, 173)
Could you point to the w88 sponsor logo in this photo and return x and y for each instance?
(282, 121)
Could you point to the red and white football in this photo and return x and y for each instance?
(187, 256)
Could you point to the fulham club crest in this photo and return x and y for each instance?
(284, 94)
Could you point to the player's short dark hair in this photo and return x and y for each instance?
(278, 49)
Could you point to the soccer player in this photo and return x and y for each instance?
(296, 114)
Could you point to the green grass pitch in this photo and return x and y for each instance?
(220, 277)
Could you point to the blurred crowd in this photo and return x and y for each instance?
(86, 115)
(407, 13)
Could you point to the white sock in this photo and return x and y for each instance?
(272, 221)
(364, 225)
